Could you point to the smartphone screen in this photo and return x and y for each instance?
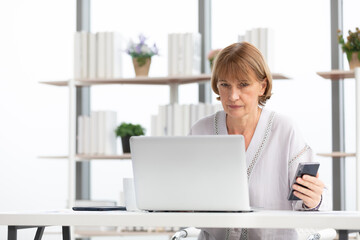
(309, 168)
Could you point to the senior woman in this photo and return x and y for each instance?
(274, 146)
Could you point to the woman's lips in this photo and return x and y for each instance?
(235, 106)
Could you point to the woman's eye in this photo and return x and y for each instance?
(244, 84)
(224, 85)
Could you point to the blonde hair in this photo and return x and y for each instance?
(237, 60)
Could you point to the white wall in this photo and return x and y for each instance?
(351, 21)
(35, 45)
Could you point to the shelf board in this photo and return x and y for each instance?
(146, 80)
(336, 154)
(279, 76)
(337, 74)
(103, 157)
(53, 157)
(82, 157)
(94, 233)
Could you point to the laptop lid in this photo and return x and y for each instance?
(190, 173)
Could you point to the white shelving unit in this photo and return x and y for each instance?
(172, 81)
(338, 75)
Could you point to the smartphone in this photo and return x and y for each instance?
(309, 168)
(100, 208)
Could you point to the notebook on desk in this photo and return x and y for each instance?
(192, 173)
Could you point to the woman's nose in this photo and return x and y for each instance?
(234, 94)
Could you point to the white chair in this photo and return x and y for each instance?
(316, 234)
(186, 232)
(303, 233)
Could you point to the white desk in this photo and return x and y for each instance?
(258, 219)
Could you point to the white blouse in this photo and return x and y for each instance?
(273, 154)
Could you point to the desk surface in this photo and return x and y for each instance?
(258, 219)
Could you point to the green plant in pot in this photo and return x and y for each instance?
(127, 130)
(351, 47)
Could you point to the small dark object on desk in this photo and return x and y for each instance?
(100, 208)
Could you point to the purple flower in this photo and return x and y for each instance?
(138, 48)
(141, 49)
(142, 39)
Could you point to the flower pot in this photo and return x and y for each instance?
(142, 66)
(125, 141)
(355, 62)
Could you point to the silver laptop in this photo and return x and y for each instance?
(192, 173)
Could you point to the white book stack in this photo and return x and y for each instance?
(109, 132)
(263, 39)
(86, 135)
(161, 121)
(193, 54)
(255, 38)
(194, 108)
(248, 36)
(100, 50)
(101, 136)
(98, 55)
(267, 46)
(177, 116)
(96, 134)
(92, 42)
(184, 54)
(169, 120)
(176, 120)
(201, 111)
(180, 60)
(186, 119)
(114, 51)
(172, 54)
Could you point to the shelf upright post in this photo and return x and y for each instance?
(82, 101)
(357, 95)
(205, 31)
(338, 121)
(72, 141)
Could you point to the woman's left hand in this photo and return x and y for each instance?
(311, 195)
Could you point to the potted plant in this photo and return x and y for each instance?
(212, 55)
(351, 47)
(141, 54)
(125, 131)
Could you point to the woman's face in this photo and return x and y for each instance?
(239, 97)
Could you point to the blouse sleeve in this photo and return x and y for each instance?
(301, 152)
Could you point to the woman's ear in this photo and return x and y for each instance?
(263, 86)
